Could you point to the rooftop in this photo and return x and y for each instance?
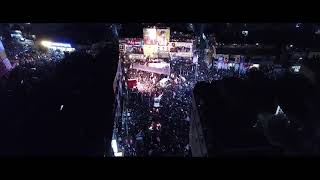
(229, 110)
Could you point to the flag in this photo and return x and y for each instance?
(132, 83)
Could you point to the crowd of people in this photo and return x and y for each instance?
(31, 64)
(171, 117)
(169, 105)
(181, 37)
(157, 114)
(25, 53)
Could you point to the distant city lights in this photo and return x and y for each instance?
(51, 44)
(57, 46)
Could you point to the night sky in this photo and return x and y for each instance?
(88, 33)
(81, 33)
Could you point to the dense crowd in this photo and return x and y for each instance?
(169, 105)
(31, 64)
(181, 37)
(172, 114)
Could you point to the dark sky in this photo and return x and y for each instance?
(86, 33)
(72, 32)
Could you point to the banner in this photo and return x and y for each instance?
(136, 56)
(150, 50)
(163, 37)
(150, 36)
(161, 68)
(122, 41)
(163, 48)
(131, 45)
(181, 54)
(156, 42)
(181, 49)
(131, 41)
(163, 52)
(134, 49)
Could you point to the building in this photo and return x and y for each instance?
(118, 109)
(226, 119)
(223, 116)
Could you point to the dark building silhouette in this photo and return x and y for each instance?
(68, 113)
(234, 117)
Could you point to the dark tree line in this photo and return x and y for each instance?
(32, 122)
